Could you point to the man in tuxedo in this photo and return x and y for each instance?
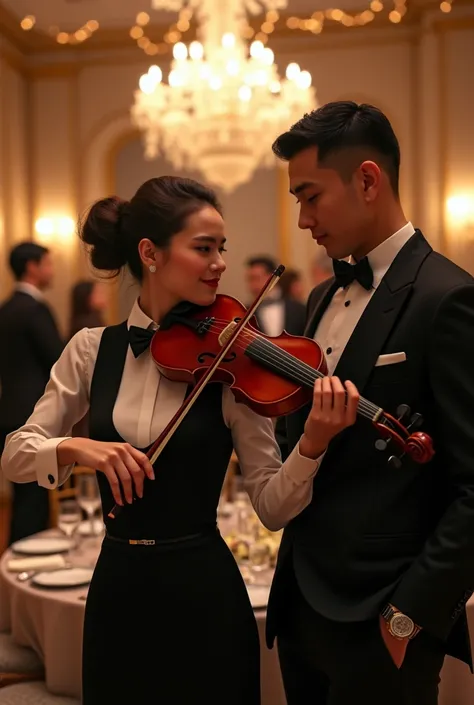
(276, 312)
(30, 346)
(373, 576)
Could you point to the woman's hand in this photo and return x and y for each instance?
(121, 463)
(334, 409)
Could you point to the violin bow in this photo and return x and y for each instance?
(227, 338)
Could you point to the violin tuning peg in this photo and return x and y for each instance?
(395, 462)
(402, 411)
(416, 421)
(381, 444)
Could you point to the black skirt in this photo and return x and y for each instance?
(170, 625)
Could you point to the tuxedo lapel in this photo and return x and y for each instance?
(381, 314)
(316, 314)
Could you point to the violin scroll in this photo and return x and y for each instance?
(416, 444)
(419, 447)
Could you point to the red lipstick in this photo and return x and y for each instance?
(214, 283)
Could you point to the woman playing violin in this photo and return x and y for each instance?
(165, 576)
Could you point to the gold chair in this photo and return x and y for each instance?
(67, 491)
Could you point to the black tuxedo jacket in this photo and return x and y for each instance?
(294, 317)
(29, 346)
(373, 533)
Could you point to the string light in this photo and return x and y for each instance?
(28, 22)
(171, 36)
(76, 37)
(446, 6)
(313, 24)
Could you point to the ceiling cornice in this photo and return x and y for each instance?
(36, 42)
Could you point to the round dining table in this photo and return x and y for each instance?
(50, 621)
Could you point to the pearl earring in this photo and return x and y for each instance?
(152, 268)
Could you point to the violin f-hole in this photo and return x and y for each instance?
(228, 358)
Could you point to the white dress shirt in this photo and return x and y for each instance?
(30, 289)
(272, 317)
(145, 403)
(347, 305)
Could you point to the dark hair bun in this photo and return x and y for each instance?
(102, 232)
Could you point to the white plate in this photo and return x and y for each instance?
(68, 577)
(85, 527)
(42, 546)
(258, 596)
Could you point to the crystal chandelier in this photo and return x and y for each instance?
(224, 102)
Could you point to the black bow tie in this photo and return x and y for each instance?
(139, 339)
(345, 273)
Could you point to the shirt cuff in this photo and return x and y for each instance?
(48, 473)
(300, 468)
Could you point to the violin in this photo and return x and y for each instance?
(274, 376)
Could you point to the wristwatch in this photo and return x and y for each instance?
(398, 624)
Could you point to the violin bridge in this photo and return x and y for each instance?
(226, 333)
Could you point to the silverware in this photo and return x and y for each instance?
(27, 574)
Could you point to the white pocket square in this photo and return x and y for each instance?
(390, 359)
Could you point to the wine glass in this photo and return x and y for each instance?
(88, 497)
(259, 556)
(69, 517)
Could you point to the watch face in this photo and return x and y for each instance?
(401, 626)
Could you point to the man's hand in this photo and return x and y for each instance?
(396, 647)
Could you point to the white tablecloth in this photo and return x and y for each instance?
(51, 621)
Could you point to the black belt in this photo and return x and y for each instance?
(155, 542)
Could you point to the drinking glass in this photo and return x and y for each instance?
(88, 497)
(259, 556)
(69, 517)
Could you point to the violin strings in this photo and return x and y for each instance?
(277, 355)
(301, 370)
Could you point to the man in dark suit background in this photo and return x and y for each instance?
(373, 576)
(30, 345)
(276, 312)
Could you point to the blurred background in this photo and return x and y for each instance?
(99, 95)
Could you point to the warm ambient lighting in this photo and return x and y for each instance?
(460, 209)
(28, 22)
(60, 228)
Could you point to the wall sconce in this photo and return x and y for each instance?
(460, 210)
(61, 228)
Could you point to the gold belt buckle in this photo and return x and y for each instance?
(141, 542)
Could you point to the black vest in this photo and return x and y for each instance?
(190, 471)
